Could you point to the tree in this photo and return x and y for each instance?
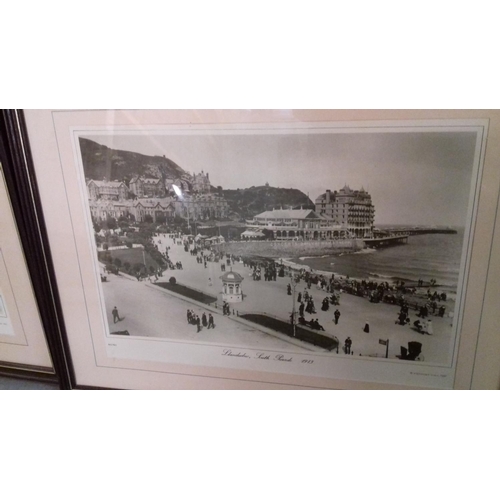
(123, 224)
(111, 223)
(148, 218)
(97, 226)
(117, 262)
(114, 240)
(126, 266)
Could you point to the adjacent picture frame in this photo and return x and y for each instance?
(26, 349)
(335, 172)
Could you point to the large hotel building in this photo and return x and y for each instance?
(352, 209)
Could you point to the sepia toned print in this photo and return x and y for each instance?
(320, 242)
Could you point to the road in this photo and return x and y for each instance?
(149, 311)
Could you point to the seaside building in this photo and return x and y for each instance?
(102, 209)
(139, 209)
(107, 190)
(202, 207)
(351, 209)
(158, 198)
(180, 182)
(147, 187)
(156, 208)
(297, 224)
(201, 183)
(192, 207)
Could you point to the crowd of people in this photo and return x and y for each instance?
(203, 322)
(169, 264)
(408, 296)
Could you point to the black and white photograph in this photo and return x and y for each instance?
(333, 242)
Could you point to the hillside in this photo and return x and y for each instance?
(256, 199)
(101, 162)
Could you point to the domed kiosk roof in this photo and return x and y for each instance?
(232, 277)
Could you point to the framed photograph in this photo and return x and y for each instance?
(23, 346)
(269, 249)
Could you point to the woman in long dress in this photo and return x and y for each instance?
(430, 331)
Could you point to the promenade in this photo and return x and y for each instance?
(148, 311)
(271, 297)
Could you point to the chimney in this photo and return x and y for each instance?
(328, 195)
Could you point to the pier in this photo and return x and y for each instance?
(399, 236)
(385, 241)
(415, 231)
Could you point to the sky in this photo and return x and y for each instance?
(415, 178)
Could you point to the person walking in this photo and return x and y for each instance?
(210, 321)
(198, 324)
(336, 315)
(347, 345)
(430, 331)
(116, 316)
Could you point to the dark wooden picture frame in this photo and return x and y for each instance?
(21, 183)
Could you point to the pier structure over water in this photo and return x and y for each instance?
(414, 231)
(399, 236)
(385, 241)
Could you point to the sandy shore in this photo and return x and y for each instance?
(271, 297)
(419, 296)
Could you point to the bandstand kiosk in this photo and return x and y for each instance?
(231, 287)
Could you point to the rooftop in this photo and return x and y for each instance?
(289, 214)
(107, 183)
(232, 276)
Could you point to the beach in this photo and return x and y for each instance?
(271, 297)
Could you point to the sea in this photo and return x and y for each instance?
(426, 257)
